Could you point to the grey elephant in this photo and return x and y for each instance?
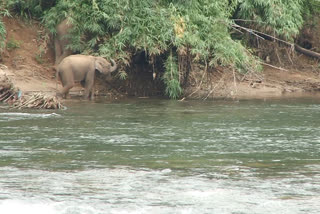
(82, 68)
(61, 41)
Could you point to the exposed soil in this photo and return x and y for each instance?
(271, 82)
(29, 58)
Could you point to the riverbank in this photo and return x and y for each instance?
(29, 57)
(270, 82)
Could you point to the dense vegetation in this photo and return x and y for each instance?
(3, 12)
(203, 29)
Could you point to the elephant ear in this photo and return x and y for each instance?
(102, 65)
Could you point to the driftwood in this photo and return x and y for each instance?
(13, 96)
(7, 90)
(272, 66)
(39, 101)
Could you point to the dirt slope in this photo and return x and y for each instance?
(28, 60)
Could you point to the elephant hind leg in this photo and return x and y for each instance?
(67, 81)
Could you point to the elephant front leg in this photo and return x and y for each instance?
(88, 92)
(91, 94)
(65, 90)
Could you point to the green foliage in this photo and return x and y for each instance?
(311, 8)
(282, 17)
(122, 75)
(120, 28)
(171, 77)
(56, 14)
(3, 32)
(2, 36)
(29, 8)
(13, 44)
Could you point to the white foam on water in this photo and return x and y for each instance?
(123, 190)
(12, 206)
(26, 207)
(20, 114)
(9, 116)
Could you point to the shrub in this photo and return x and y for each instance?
(13, 44)
(2, 36)
(29, 8)
(3, 12)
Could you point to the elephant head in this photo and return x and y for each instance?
(103, 66)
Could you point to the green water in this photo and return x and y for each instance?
(160, 156)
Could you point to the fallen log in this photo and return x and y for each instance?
(306, 51)
(268, 37)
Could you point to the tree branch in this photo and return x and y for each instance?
(272, 38)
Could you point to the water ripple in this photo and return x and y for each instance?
(12, 116)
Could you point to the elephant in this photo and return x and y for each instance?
(61, 42)
(82, 68)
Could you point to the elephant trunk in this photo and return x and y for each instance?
(114, 66)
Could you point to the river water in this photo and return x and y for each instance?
(160, 156)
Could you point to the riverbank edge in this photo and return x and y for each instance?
(31, 74)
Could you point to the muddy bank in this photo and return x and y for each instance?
(16, 98)
(269, 83)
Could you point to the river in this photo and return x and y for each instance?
(162, 156)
